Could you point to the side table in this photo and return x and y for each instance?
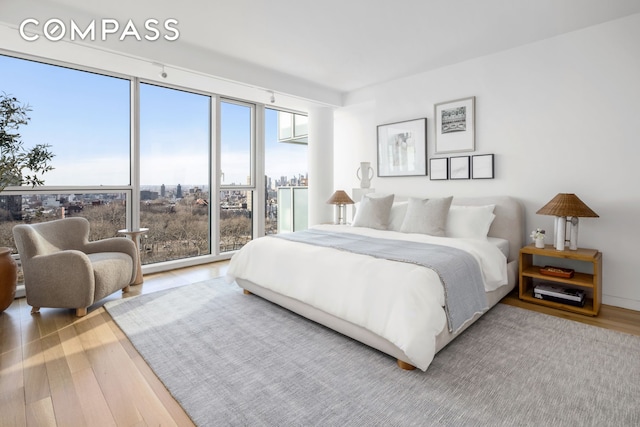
(590, 282)
(134, 235)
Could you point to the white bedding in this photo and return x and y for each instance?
(397, 301)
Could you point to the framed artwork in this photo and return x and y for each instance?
(439, 169)
(459, 167)
(482, 166)
(455, 125)
(402, 148)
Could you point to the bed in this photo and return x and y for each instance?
(396, 306)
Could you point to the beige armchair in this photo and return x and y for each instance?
(63, 269)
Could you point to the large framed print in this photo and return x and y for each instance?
(455, 125)
(402, 148)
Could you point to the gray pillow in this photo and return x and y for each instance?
(428, 216)
(373, 212)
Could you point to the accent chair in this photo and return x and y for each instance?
(63, 269)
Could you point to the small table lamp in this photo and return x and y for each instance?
(341, 200)
(566, 208)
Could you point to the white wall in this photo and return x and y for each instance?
(560, 115)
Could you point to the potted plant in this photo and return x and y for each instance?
(538, 237)
(18, 166)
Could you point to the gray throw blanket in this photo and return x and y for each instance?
(459, 272)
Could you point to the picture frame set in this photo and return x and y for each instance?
(479, 166)
(402, 146)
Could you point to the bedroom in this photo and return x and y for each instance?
(559, 114)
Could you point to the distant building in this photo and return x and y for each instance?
(163, 191)
(179, 191)
(11, 208)
(148, 195)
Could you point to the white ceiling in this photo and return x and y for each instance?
(335, 45)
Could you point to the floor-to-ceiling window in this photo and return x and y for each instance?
(180, 162)
(175, 142)
(286, 172)
(237, 177)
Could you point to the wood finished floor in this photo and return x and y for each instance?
(60, 370)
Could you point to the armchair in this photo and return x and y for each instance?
(63, 269)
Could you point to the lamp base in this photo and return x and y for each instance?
(560, 233)
(341, 214)
(573, 233)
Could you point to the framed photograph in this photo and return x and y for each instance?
(455, 125)
(402, 148)
(482, 166)
(439, 169)
(459, 167)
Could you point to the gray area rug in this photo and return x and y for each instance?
(235, 359)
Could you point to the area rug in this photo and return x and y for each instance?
(238, 360)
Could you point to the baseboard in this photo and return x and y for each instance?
(621, 302)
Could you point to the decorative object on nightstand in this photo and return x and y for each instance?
(567, 208)
(367, 174)
(341, 200)
(538, 237)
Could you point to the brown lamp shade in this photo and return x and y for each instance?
(565, 204)
(340, 198)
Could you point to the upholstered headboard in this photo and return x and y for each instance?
(509, 221)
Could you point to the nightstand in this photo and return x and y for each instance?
(591, 283)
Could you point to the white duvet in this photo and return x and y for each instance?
(399, 301)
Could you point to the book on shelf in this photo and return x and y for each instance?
(556, 293)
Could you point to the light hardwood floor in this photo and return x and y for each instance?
(59, 370)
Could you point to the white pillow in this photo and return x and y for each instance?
(428, 216)
(396, 217)
(373, 212)
(471, 222)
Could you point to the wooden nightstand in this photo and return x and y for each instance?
(590, 282)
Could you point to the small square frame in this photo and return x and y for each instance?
(439, 169)
(482, 166)
(459, 167)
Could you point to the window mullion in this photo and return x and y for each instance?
(133, 210)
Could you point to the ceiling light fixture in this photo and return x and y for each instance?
(162, 72)
(273, 96)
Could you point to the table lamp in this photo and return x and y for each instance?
(567, 208)
(341, 200)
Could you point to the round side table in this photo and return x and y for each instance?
(134, 234)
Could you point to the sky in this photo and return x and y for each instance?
(85, 118)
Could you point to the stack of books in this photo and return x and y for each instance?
(551, 292)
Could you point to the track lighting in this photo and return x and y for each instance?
(162, 72)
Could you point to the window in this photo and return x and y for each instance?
(83, 116)
(174, 173)
(237, 130)
(236, 143)
(285, 166)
